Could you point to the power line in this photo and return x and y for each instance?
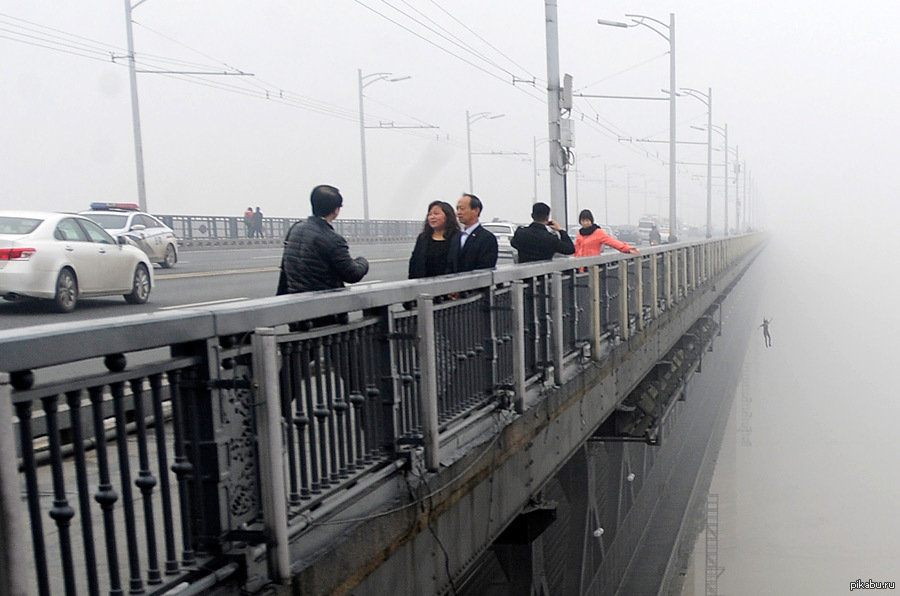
(469, 29)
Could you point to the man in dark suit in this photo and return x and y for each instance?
(476, 247)
(536, 242)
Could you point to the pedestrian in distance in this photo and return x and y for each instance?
(765, 328)
(431, 254)
(248, 222)
(258, 223)
(315, 256)
(536, 242)
(477, 247)
(590, 238)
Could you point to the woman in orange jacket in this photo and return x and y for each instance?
(590, 238)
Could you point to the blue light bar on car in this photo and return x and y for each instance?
(122, 206)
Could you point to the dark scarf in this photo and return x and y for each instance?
(589, 230)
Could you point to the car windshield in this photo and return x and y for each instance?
(18, 225)
(645, 225)
(110, 221)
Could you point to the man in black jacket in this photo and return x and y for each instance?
(476, 247)
(536, 242)
(315, 256)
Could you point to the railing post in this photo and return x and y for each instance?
(669, 268)
(596, 323)
(428, 409)
(639, 292)
(556, 313)
(518, 343)
(623, 298)
(271, 450)
(654, 287)
(685, 280)
(13, 567)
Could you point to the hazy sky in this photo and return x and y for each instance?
(808, 90)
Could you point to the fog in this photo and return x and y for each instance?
(808, 90)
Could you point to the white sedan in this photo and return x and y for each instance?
(63, 257)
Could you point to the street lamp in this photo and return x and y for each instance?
(606, 190)
(135, 111)
(365, 81)
(469, 121)
(652, 25)
(577, 168)
(722, 130)
(707, 99)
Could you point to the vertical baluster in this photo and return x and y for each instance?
(320, 411)
(415, 371)
(373, 394)
(459, 316)
(341, 407)
(105, 494)
(136, 585)
(330, 422)
(287, 394)
(182, 467)
(356, 367)
(145, 482)
(162, 462)
(300, 420)
(443, 362)
(307, 354)
(73, 398)
(476, 351)
(406, 379)
(61, 512)
(23, 411)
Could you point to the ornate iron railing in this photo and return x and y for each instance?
(190, 448)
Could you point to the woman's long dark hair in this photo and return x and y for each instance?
(451, 228)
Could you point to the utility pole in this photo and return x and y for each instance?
(557, 170)
(135, 111)
(673, 221)
(725, 231)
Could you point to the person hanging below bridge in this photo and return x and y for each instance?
(765, 328)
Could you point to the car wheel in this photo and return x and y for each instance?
(66, 291)
(140, 287)
(170, 259)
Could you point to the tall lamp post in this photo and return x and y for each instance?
(469, 121)
(706, 98)
(365, 81)
(135, 111)
(653, 25)
(606, 190)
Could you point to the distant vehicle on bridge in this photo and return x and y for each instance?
(64, 257)
(504, 231)
(143, 230)
(630, 234)
(645, 225)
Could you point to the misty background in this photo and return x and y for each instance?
(809, 91)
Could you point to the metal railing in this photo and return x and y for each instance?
(210, 227)
(247, 423)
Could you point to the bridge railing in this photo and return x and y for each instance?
(210, 227)
(202, 442)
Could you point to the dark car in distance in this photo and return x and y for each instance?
(628, 234)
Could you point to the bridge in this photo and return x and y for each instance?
(546, 428)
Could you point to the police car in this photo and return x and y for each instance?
(143, 230)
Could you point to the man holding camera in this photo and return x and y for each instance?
(536, 242)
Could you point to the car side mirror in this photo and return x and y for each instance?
(122, 240)
(138, 227)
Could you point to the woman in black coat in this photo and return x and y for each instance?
(429, 257)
